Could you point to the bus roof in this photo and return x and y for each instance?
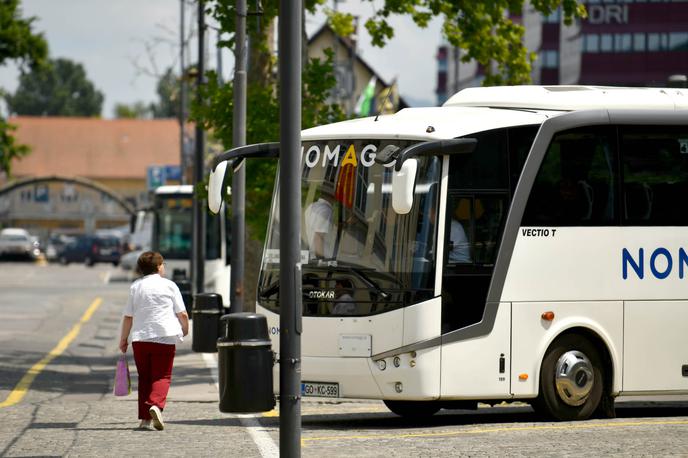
(484, 108)
(432, 123)
(570, 98)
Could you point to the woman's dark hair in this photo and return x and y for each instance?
(149, 262)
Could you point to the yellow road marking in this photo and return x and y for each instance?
(24, 384)
(586, 425)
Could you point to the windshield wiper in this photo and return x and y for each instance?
(357, 271)
(269, 290)
(371, 284)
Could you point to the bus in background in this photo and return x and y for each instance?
(518, 243)
(173, 236)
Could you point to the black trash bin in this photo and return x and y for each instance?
(207, 310)
(245, 362)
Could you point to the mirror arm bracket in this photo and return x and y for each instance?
(235, 155)
(436, 148)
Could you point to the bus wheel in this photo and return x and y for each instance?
(413, 409)
(571, 379)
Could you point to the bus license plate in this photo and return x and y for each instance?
(325, 390)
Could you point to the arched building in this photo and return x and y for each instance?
(85, 174)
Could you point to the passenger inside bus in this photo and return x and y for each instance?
(318, 225)
(459, 245)
(344, 303)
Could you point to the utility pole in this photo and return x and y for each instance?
(182, 95)
(198, 259)
(290, 226)
(239, 177)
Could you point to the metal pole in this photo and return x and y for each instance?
(198, 259)
(239, 178)
(290, 226)
(182, 95)
(218, 50)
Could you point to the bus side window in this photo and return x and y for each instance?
(577, 181)
(655, 175)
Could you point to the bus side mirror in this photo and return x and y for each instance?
(215, 187)
(403, 183)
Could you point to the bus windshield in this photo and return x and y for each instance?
(174, 228)
(359, 257)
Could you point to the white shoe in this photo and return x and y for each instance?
(156, 415)
(146, 425)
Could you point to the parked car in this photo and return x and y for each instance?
(56, 244)
(18, 242)
(91, 249)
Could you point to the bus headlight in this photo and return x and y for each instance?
(382, 364)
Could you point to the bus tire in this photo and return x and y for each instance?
(571, 379)
(413, 409)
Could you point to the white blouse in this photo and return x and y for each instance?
(153, 303)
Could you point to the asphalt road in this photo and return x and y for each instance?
(63, 322)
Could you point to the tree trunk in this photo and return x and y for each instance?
(253, 257)
(261, 57)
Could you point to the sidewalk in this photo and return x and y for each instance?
(104, 425)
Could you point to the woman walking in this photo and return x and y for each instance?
(156, 318)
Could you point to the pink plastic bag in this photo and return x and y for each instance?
(122, 377)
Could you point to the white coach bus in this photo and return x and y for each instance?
(173, 236)
(518, 243)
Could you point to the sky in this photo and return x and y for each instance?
(123, 43)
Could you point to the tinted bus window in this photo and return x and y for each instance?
(485, 168)
(576, 183)
(655, 175)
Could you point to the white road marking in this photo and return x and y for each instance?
(266, 446)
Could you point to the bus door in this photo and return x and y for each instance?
(480, 186)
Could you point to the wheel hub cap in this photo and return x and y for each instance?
(574, 378)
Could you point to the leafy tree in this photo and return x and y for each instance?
(9, 148)
(168, 90)
(17, 40)
(482, 28)
(137, 110)
(18, 43)
(60, 88)
(262, 123)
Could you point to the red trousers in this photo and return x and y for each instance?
(154, 365)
